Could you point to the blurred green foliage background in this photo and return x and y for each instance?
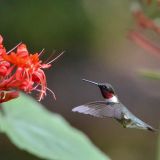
(93, 34)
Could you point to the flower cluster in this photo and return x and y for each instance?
(144, 23)
(20, 70)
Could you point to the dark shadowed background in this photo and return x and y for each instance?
(93, 34)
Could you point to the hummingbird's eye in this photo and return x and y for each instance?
(104, 87)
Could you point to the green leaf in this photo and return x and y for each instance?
(158, 149)
(150, 74)
(34, 129)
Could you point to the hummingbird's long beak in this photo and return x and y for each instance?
(90, 81)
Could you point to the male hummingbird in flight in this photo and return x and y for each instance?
(111, 107)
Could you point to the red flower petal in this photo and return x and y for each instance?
(1, 39)
(143, 42)
(4, 97)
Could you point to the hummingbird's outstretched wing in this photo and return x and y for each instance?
(118, 111)
(97, 109)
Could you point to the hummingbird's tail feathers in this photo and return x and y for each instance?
(152, 129)
(96, 109)
(145, 126)
(139, 124)
(86, 80)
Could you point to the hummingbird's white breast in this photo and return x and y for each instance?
(113, 99)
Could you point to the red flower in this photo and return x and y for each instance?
(145, 22)
(143, 42)
(21, 70)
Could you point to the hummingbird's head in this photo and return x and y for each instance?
(106, 89)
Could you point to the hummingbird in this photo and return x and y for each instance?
(111, 107)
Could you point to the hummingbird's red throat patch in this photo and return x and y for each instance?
(107, 95)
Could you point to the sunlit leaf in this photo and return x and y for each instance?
(34, 129)
(150, 74)
(158, 149)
